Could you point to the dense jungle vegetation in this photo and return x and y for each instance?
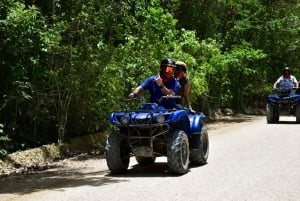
(66, 64)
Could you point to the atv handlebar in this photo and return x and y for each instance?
(169, 97)
(278, 88)
(291, 91)
(140, 97)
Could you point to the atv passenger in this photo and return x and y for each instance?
(286, 82)
(162, 84)
(185, 86)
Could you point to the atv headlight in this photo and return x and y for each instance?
(124, 120)
(160, 118)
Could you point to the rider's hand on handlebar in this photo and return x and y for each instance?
(192, 111)
(132, 95)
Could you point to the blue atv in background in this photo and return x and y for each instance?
(153, 131)
(283, 102)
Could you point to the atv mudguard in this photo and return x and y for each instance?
(196, 122)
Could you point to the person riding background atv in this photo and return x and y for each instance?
(286, 81)
(285, 99)
(162, 84)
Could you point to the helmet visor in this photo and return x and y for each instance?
(169, 69)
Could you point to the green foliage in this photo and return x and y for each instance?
(20, 57)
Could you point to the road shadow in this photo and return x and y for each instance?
(54, 179)
(157, 169)
(61, 178)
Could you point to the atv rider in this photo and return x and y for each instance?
(185, 86)
(162, 84)
(286, 82)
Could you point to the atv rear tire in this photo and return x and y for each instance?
(145, 160)
(298, 113)
(117, 153)
(199, 156)
(178, 152)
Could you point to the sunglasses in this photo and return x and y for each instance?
(169, 69)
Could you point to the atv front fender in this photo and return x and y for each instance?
(196, 122)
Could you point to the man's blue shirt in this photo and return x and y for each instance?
(155, 91)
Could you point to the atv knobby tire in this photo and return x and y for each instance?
(117, 153)
(298, 113)
(272, 114)
(199, 156)
(178, 152)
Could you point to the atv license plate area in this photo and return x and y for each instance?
(144, 151)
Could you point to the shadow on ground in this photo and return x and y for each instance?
(158, 169)
(24, 184)
(60, 178)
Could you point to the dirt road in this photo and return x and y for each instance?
(249, 160)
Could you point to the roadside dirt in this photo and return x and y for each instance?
(53, 158)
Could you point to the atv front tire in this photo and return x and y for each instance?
(272, 114)
(117, 153)
(178, 152)
(199, 156)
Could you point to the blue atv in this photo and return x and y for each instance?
(154, 131)
(283, 102)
